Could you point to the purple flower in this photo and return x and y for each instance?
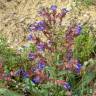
(64, 10)
(25, 75)
(31, 56)
(78, 29)
(66, 86)
(78, 67)
(40, 28)
(19, 72)
(41, 25)
(41, 46)
(37, 26)
(36, 80)
(53, 7)
(29, 37)
(41, 65)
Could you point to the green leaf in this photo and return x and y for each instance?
(52, 71)
(63, 72)
(81, 87)
(6, 92)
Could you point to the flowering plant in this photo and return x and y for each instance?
(50, 64)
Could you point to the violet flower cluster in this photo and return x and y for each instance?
(50, 17)
(37, 72)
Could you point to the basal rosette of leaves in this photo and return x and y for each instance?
(52, 67)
